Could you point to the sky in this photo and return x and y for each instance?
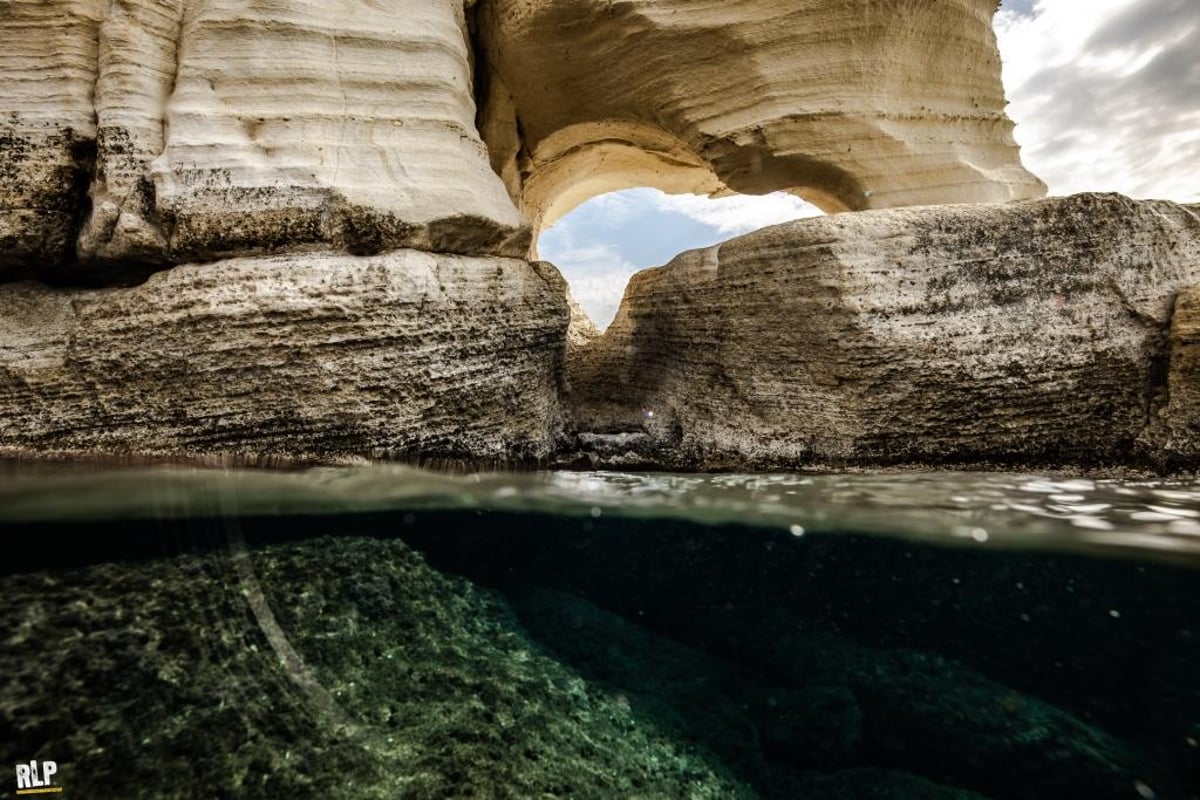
(1105, 94)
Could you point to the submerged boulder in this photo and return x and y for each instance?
(272, 673)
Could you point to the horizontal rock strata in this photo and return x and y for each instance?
(856, 105)
(48, 66)
(323, 157)
(226, 129)
(143, 133)
(407, 355)
(1027, 333)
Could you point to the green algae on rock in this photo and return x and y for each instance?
(153, 680)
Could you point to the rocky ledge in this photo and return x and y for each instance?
(1056, 332)
(407, 355)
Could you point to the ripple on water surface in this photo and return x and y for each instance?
(1157, 518)
(380, 631)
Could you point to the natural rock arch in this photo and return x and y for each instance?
(846, 104)
(597, 158)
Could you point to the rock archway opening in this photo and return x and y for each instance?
(600, 244)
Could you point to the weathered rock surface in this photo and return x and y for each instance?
(48, 58)
(1176, 425)
(142, 134)
(221, 128)
(855, 105)
(408, 354)
(226, 128)
(1031, 333)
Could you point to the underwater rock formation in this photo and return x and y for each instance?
(853, 105)
(1031, 333)
(162, 680)
(1012, 674)
(430, 654)
(408, 354)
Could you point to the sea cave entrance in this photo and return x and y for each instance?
(601, 243)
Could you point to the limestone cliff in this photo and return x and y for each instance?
(1027, 333)
(354, 282)
(48, 66)
(227, 128)
(157, 132)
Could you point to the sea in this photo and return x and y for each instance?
(383, 631)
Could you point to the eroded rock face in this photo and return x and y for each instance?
(408, 354)
(229, 127)
(1030, 333)
(298, 141)
(48, 65)
(224, 128)
(855, 105)
(1176, 423)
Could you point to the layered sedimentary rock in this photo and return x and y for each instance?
(855, 105)
(1022, 333)
(1176, 423)
(347, 122)
(226, 127)
(48, 65)
(230, 128)
(408, 354)
(300, 142)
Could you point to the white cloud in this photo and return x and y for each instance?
(1106, 94)
(737, 214)
(603, 242)
(598, 276)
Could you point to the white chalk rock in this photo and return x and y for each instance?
(232, 127)
(342, 122)
(48, 67)
(853, 104)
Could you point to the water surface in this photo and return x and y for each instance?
(382, 631)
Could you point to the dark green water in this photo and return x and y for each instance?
(382, 632)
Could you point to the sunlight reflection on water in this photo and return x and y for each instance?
(1155, 517)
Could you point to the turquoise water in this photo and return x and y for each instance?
(381, 631)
